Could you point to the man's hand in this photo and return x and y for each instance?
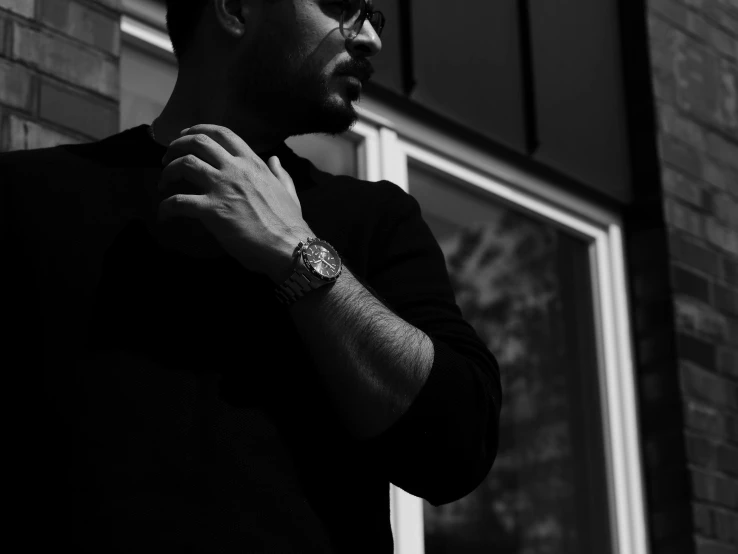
(250, 207)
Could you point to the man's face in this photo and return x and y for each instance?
(300, 71)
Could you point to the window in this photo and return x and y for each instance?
(524, 285)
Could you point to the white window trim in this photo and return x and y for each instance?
(387, 139)
(603, 230)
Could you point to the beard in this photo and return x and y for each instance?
(291, 93)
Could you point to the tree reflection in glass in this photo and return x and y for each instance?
(510, 274)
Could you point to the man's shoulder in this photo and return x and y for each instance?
(359, 192)
(43, 161)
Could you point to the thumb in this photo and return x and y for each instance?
(183, 205)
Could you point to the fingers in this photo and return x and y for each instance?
(227, 139)
(184, 205)
(281, 173)
(189, 168)
(200, 145)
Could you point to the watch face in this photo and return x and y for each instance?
(322, 260)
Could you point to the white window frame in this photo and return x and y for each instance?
(387, 140)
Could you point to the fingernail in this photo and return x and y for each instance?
(183, 131)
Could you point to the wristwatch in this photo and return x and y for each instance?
(316, 264)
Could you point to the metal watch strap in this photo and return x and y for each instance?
(294, 287)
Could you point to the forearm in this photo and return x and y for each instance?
(372, 361)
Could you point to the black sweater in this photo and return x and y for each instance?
(157, 409)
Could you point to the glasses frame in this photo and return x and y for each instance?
(366, 10)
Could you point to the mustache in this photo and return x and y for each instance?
(361, 69)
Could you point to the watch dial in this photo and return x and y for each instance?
(322, 260)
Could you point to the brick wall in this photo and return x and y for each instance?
(58, 71)
(683, 240)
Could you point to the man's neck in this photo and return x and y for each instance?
(185, 109)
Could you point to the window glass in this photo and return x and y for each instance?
(525, 287)
(334, 154)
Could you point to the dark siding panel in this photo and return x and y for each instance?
(467, 65)
(580, 94)
(388, 64)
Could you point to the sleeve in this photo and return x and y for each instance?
(443, 447)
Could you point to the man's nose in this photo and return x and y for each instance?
(367, 43)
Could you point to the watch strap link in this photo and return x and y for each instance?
(294, 287)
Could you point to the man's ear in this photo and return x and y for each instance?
(231, 16)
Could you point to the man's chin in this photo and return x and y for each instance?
(332, 119)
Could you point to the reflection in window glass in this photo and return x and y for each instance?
(524, 286)
(333, 154)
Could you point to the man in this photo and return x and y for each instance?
(225, 349)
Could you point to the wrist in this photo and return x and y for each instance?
(284, 261)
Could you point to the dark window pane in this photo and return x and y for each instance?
(525, 287)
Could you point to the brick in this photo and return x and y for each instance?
(670, 11)
(697, 26)
(682, 128)
(727, 459)
(731, 428)
(661, 57)
(701, 452)
(690, 284)
(698, 383)
(726, 526)
(17, 86)
(719, 235)
(733, 332)
(664, 89)
(725, 209)
(3, 35)
(26, 135)
(727, 361)
(722, 42)
(696, 73)
(722, 149)
(714, 489)
(82, 112)
(729, 273)
(700, 319)
(705, 547)
(726, 300)
(66, 60)
(715, 175)
(726, 113)
(702, 519)
(98, 29)
(706, 419)
(21, 7)
(684, 218)
(682, 187)
(685, 250)
(680, 155)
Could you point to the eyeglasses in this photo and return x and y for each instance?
(353, 15)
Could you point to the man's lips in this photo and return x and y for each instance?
(362, 76)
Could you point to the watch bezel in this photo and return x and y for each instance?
(309, 265)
